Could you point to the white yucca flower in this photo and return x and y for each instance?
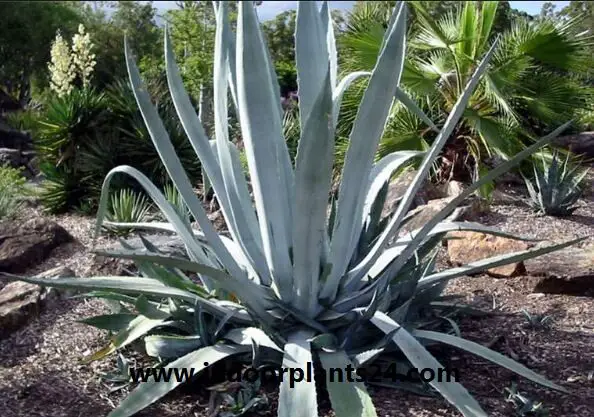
(61, 67)
(82, 58)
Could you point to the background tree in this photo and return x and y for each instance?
(27, 33)
(192, 31)
(532, 83)
(280, 33)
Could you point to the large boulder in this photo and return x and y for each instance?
(568, 271)
(26, 244)
(465, 247)
(421, 215)
(21, 301)
(167, 244)
(582, 143)
(398, 187)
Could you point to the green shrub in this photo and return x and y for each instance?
(536, 79)
(557, 185)
(84, 135)
(296, 283)
(24, 120)
(12, 188)
(67, 127)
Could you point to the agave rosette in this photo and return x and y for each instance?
(295, 277)
(558, 185)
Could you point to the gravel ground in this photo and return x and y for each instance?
(41, 374)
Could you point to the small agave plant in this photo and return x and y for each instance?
(302, 278)
(557, 187)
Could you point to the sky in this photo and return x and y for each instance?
(269, 9)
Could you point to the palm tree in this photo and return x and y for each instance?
(532, 83)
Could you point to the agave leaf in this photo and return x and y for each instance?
(361, 269)
(340, 89)
(136, 286)
(311, 56)
(445, 227)
(241, 209)
(367, 130)
(112, 322)
(245, 336)
(149, 309)
(262, 134)
(136, 329)
(412, 106)
(381, 173)
(177, 224)
(254, 295)
(391, 23)
(299, 400)
(231, 245)
(107, 296)
(492, 262)
(328, 29)
(349, 399)
(154, 226)
(313, 166)
(193, 247)
(418, 356)
(193, 128)
(173, 165)
(505, 167)
(149, 392)
(174, 346)
(488, 354)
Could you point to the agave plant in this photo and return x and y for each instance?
(127, 206)
(175, 199)
(303, 277)
(558, 186)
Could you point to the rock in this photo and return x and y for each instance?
(14, 139)
(568, 271)
(454, 188)
(218, 220)
(398, 187)
(504, 197)
(169, 245)
(422, 214)
(510, 177)
(21, 301)
(10, 157)
(473, 208)
(8, 103)
(26, 244)
(582, 143)
(466, 247)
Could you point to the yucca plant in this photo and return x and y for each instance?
(127, 206)
(302, 278)
(558, 185)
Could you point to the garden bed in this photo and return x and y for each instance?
(41, 373)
